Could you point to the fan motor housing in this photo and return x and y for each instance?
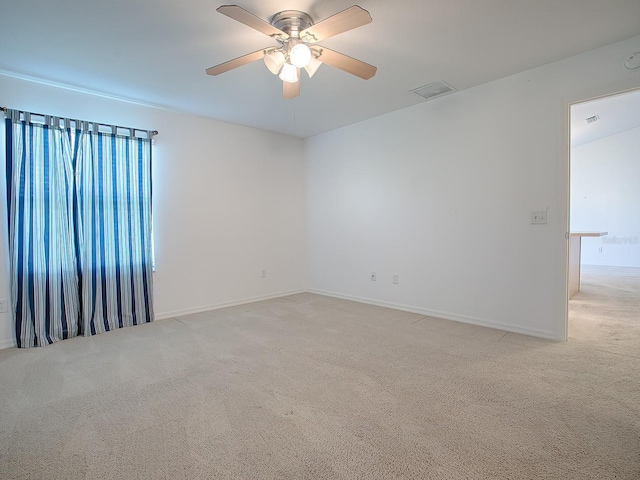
(291, 22)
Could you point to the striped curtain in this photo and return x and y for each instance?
(44, 280)
(79, 206)
(114, 230)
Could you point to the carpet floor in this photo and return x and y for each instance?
(311, 387)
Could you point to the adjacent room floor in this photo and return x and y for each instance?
(311, 387)
(605, 313)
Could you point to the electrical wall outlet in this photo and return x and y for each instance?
(264, 274)
(373, 276)
(395, 278)
(4, 305)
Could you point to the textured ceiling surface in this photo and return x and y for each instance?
(156, 51)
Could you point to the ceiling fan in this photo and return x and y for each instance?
(297, 35)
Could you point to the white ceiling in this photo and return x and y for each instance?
(156, 51)
(616, 113)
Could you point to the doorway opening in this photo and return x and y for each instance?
(604, 213)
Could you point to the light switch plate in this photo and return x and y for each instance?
(538, 217)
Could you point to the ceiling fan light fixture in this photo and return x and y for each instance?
(274, 61)
(313, 66)
(297, 36)
(289, 73)
(300, 55)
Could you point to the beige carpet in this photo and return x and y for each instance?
(310, 387)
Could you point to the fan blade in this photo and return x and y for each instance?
(347, 64)
(348, 19)
(250, 20)
(291, 90)
(236, 62)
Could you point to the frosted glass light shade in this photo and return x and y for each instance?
(300, 55)
(274, 61)
(289, 73)
(313, 66)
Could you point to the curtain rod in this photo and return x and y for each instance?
(152, 132)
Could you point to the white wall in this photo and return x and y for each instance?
(605, 196)
(228, 201)
(441, 194)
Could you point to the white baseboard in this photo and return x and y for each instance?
(396, 306)
(217, 306)
(534, 332)
(204, 308)
(7, 344)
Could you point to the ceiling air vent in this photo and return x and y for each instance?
(595, 118)
(434, 89)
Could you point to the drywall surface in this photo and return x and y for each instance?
(441, 195)
(605, 197)
(228, 202)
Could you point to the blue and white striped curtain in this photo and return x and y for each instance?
(79, 206)
(114, 229)
(44, 279)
